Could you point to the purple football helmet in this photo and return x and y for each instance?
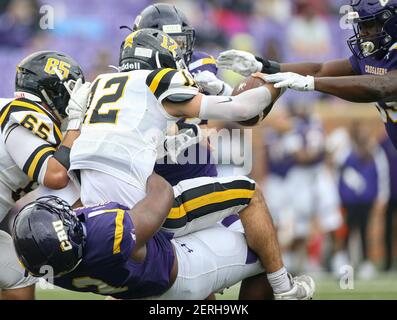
(375, 27)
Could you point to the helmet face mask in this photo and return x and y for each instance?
(48, 233)
(169, 19)
(375, 28)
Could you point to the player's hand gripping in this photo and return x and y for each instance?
(209, 82)
(77, 106)
(291, 80)
(188, 135)
(241, 62)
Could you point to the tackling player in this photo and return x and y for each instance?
(32, 147)
(125, 123)
(110, 250)
(374, 59)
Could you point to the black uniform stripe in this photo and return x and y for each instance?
(151, 76)
(55, 120)
(11, 129)
(165, 83)
(203, 211)
(36, 162)
(10, 111)
(14, 107)
(4, 109)
(159, 80)
(210, 188)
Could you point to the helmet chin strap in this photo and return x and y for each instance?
(50, 104)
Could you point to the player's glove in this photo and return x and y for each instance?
(77, 106)
(246, 63)
(188, 135)
(291, 80)
(211, 84)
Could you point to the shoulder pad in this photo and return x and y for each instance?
(33, 117)
(166, 82)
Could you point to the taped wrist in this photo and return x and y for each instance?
(62, 155)
(268, 66)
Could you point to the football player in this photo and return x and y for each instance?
(126, 118)
(171, 20)
(33, 149)
(368, 75)
(111, 250)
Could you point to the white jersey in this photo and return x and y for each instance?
(30, 136)
(126, 122)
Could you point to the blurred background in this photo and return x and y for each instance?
(327, 169)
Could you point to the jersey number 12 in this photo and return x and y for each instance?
(102, 111)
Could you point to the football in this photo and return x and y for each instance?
(247, 84)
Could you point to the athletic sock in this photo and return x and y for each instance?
(279, 281)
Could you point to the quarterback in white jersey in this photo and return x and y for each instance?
(32, 148)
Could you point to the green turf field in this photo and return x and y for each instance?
(383, 287)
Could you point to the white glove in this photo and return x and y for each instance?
(209, 82)
(173, 146)
(291, 80)
(241, 62)
(77, 106)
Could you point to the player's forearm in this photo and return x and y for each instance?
(56, 175)
(307, 68)
(358, 88)
(336, 68)
(70, 137)
(150, 213)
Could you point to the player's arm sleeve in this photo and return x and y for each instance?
(173, 85)
(382, 167)
(29, 152)
(242, 107)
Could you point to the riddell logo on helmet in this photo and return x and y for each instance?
(130, 66)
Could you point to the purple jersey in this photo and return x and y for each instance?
(195, 166)
(370, 65)
(107, 267)
(202, 61)
(391, 155)
(309, 135)
(278, 158)
(358, 181)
